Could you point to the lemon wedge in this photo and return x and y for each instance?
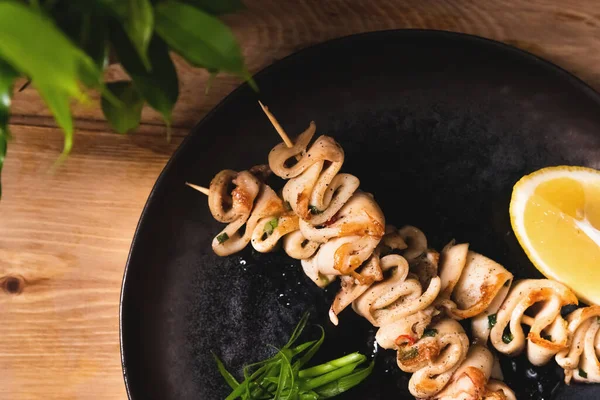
(555, 214)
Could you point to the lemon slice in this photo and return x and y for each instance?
(555, 214)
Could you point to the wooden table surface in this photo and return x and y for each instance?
(65, 236)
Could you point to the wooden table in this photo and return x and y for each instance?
(65, 235)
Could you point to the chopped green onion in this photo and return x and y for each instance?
(492, 320)
(507, 337)
(271, 225)
(314, 210)
(582, 373)
(429, 332)
(222, 238)
(408, 354)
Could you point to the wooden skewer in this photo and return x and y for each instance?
(276, 125)
(278, 128)
(201, 189)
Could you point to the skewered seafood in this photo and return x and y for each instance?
(581, 360)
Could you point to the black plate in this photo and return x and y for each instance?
(439, 126)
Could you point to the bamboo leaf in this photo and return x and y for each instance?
(202, 39)
(7, 77)
(160, 85)
(217, 7)
(125, 117)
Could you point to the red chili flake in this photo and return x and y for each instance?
(405, 339)
(332, 220)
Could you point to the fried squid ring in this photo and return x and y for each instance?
(397, 296)
(548, 334)
(252, 210)
(315, 190)
(581, 360)
(470, 282)
(434, 358)
(471, 378)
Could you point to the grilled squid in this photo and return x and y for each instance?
(581, 359)
(472, 284)
(433, 358)
(252, 210)
(316, 190)
(471, 381)
(400, 294)
(348, 242)
(536, 303)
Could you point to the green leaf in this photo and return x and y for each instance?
(203, 40)
(57, 101)
(126, 117)
(48, 57)
(218, 7)
(86, 26)
(139, 26)
(160, 85)
(137, 19)
(7, 77)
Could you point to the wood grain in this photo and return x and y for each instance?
(65, 235)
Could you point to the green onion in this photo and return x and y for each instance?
(314, 210)
(492, 320)
(507, 337)
(408, 354)
(281, 376)
(222, 238)
(429, 332)
(582, 373)
(271, 225)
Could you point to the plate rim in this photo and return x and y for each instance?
(544, 63)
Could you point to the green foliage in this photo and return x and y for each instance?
(63, 46)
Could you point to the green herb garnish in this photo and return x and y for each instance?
(492, 320)
(271, 225)
(429, 332)
(582, 373)
(222, 238)
(314, 210)
(408, 354)
(281, 376)
(507, 337)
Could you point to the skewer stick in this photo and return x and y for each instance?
(276, 125)
(201, 189)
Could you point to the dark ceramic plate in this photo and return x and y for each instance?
(439, 126)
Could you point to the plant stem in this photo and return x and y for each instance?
(331, 365)
(329, 377)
